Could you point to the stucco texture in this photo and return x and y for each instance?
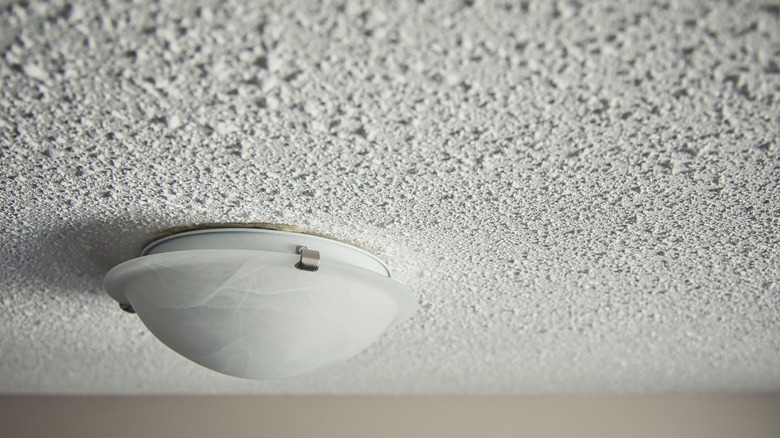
(584, 196)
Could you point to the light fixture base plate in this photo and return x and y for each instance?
(266, 240)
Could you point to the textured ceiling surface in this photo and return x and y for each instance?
(583, 196)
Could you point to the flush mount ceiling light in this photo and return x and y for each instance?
(260, 304)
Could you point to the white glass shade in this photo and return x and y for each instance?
(252, 313)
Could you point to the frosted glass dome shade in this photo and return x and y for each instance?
(255, 313)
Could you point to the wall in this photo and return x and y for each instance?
(661, 416)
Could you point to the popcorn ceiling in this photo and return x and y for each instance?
(584, 196)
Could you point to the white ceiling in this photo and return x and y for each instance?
(584, 196)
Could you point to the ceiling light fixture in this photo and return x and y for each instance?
(260, 304)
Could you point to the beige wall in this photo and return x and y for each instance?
(656, 416)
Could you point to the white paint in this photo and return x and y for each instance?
(584, 197)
